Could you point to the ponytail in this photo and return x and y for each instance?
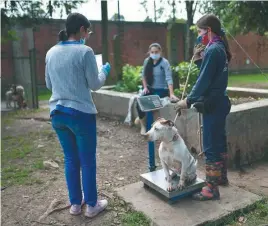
(63, 35)
(226, 44)
(148, 72)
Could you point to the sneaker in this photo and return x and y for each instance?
(75, 209)
(93, 211)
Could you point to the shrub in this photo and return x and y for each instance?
(182, 71)
(131, 79)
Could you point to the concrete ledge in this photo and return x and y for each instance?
(232, 92)
(187, 212)
(247, 92)
(247, 125)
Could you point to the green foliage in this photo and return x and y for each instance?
(240, 16)
(10, 35)
(115, 17)
(135, 218)
(31, 13)
(131, 79)
(182, 71)
(148, 19)
(193, 28)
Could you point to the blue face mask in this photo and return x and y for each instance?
(155, 56)
(198, 40)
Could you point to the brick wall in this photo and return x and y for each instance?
(7, 70)
(137, 37)
(257, 48)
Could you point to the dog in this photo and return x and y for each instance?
(9, 98)
(173, 153)
(16, 94)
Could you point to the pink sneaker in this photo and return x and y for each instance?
(75, 209)
(93, 211)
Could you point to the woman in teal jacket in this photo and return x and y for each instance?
(210, 92)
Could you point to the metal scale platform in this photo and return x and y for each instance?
(155, 179)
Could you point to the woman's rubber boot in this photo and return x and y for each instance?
(211, 190)
(143, 125)
(224, 180)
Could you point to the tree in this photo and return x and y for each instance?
(171, 6)
(158, 10)
(148, 19)
(240, 16)
(31, 12)
(190, 9)
(178, 21)
(115, 17)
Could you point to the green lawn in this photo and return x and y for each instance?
(44, 94)
(249, 81)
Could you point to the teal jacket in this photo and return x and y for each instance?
(213, 76)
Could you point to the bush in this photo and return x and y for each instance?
(131, 79)
(182, 71)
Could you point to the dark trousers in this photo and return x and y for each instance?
(214, 134)
(160, 92)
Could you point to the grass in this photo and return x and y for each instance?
(8, 118)
(44, 94)
(248, 80)
(256, 214)
(135, 218)
(21, 158)
(16, 167)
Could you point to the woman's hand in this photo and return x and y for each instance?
(182, 104)
(146, 90)
(106, 68)
(198, 52)
(173, 98)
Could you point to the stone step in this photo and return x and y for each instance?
(187, 212)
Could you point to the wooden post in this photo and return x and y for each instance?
(104, 31)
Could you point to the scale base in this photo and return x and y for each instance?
(156, 181)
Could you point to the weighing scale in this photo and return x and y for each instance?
(155, 179)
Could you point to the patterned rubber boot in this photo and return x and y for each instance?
(224, 180)
(211, 190)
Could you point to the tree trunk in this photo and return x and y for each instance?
(104, 31)
(189, 34)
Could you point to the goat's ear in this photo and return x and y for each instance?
(167, 122)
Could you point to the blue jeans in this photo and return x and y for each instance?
(214, 134)
(78, 138)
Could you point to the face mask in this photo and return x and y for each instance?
(155, 56)
(202, 39)
(83, 41)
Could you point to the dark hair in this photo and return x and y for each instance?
(148, 70)
(214, 23)
(73, 24)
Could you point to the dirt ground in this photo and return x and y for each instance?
(30, 188)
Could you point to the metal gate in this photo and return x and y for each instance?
(25, 75)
